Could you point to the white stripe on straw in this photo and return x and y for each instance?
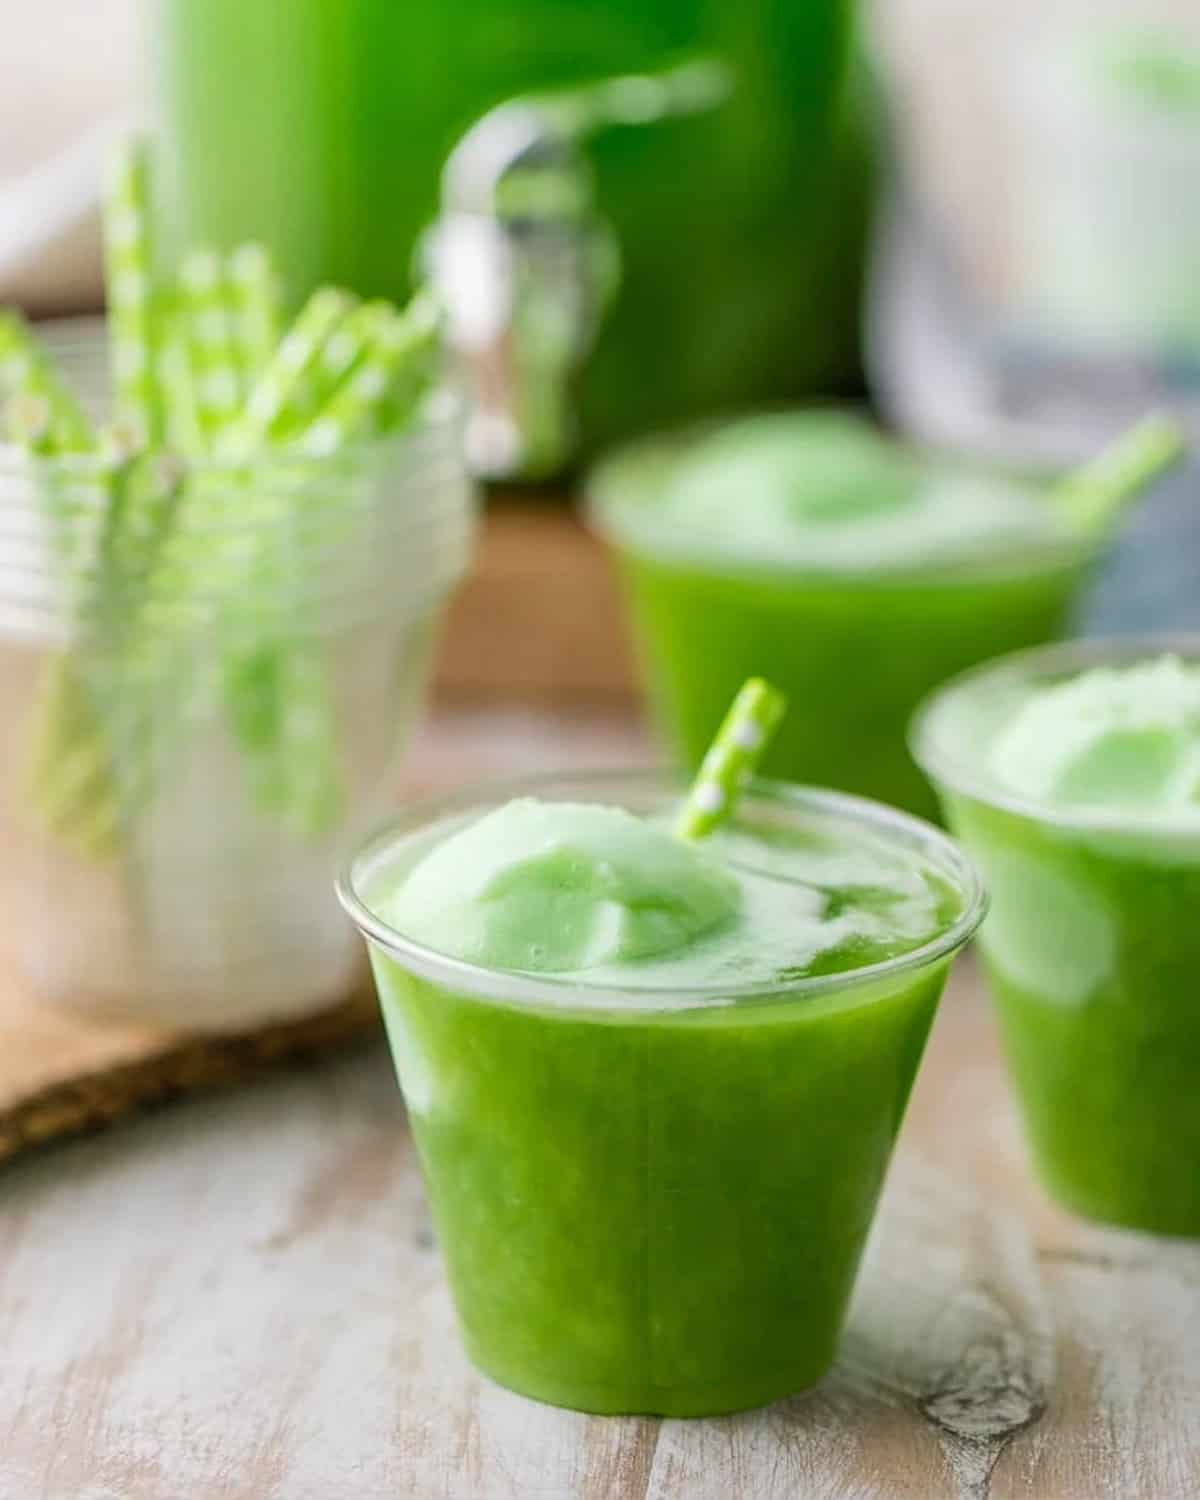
(208, 336)
(131, 313)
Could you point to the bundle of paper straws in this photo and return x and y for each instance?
(166, 522)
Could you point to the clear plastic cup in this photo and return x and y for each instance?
(1103, 195)
(858, 645)
(198, 728)
(653, 1200)
(1092, 948)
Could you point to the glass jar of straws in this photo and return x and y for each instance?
(208, 668)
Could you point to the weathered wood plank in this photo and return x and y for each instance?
(241, 1300)
(1124, 1416)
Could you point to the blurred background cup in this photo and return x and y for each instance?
(1104, 193)
(854, 641)
(1092, 948)
(1033, 285)
(194, 732)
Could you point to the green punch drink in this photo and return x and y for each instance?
(655, 1082)
(852, 571)
(1073, 776)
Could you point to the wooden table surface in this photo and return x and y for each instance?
(240, 1297)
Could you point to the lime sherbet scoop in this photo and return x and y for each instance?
(558, 886)
(1113, 736)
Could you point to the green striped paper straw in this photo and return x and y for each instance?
(203, 594)
(737, 749)
(344, 352)
(337, 358)
(153, 487)
(412, 381)
(29, 422)
(1095, 494)
(205, 327)
(26, 371)
(283, 698)
(277, 699)
(130, 293)
(73, 503)
(184, 430)
(14, 346)
(310, 785)
(72, 768)
(90, 768)
(42, 416)
(394, 343)
(74, 489)
(134, 711)
(250, 672)
(255, 296)
(249, 677)
(68, 773)
(281, 399)
(274, 679)
(70, 776)
(304, 782)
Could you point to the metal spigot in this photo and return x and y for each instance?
(525, 265)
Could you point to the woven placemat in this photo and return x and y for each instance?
(61, 1075)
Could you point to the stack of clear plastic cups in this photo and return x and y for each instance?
(205, 706)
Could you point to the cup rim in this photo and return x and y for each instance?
(607, 505)
(573, 992)
(946, 769)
